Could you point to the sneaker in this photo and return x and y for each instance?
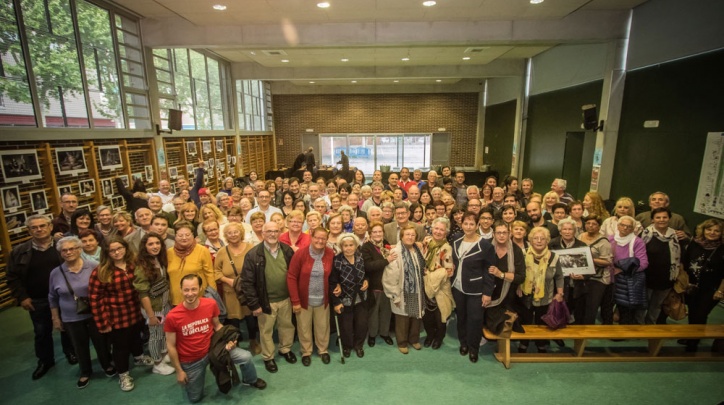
(126, 382)
(163, 369)
(143, 360)
(167, 359)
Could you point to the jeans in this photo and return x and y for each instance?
(43, 330)
(196, 372)
(82, 333)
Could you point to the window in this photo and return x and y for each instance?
(368, 152)
(253, 96)
(14, 89)
(134, 77)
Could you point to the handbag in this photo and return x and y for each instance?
(682, 281)
(674, 305)
(237, 280)
(159, 287)
(82, 304)
(557, 315)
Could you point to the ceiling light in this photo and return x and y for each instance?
(219, 7)
(438, 80)
(395, 81)
(405, 59)
(285, 60)
(311, 82)
(466, 58)
(429, 3)
(323, 4)
(354, 81)
(344, 60)
(536, 1)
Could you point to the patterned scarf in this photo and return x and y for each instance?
(351, 277)
(535, 273)
(412, 272)
(708, 244)
(433, 251)
(674, 249)
(381, 247)
(183, 252)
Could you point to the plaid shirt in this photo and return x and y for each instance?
(116, 303)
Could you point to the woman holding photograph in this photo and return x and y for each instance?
(575, 284)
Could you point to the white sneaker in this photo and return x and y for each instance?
(163, 369)
(126, 382)
(483, 341)
(166, 359)
(143, 361)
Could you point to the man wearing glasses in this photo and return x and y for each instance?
(61, 223)
(28, 276)
(264, 200)
(264, 282)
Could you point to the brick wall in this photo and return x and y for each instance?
(377, 113)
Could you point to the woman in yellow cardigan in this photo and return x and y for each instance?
(188, 257)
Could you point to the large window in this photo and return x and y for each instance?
(16, 107)
(254, 100)
(370, 151)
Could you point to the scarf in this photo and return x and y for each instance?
(535, 273)
(511, 269)
(674, 249)
(625, 240)
(181, 252)
(351, 277)
(433, 252)
(383, 249)
(412, 272)
(707, 244)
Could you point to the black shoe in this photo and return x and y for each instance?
(306, 360)
(289, 357)
(325, 358)
(387, 340)
(72, 358)
(82, 384)
(371, 342)
(41, 370)
(427, 342)
(258, 384)
(683, 341)
(436, 344)
(111, 372)
(360, 352)
(542, 350)
(463, 350)
(346, 352)
(560, 343)
(522, 349)
(473, 357)
(271, 366)
(691, 348)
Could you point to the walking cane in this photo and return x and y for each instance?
(339, 336)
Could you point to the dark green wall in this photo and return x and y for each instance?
(687, 97)
(550, 116)
(499, 133)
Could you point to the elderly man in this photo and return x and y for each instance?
(155, 204)
(264, 282)
(375, 199)
(28, 277)
(402, 217)
(61, 223)
(474, 206)
(473, 193)
(144, 216)
(360, 229)
(313, 194)
(353, 201)
(559, 186)
(498, 200)
(660, 199)
(164, 192)
(413, 195)
(264, 206)
(249, 193)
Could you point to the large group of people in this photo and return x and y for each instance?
(183, 270)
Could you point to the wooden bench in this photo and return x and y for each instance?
(580, 334)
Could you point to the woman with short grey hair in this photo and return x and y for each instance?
(439, 267)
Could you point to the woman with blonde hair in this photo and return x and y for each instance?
(593, 205)
(624, 207)
(189, 214)
(294, 237)
(207, 212)
(122, 224)
(549, 199)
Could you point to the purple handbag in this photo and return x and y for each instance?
(557, 315)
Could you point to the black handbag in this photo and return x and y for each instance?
(159, 287)
(82, 305)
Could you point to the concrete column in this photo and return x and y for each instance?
(480, 132)
(521, 123)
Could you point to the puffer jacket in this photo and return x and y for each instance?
(630, 285)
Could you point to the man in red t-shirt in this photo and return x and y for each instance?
(189, 328)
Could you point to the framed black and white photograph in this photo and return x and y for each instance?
(124, 180)
(221, 166)
(211, 163)
(136, 176)
(173, 188)
(87, 186)
(16, 221)
(190, 169)
(107, 187)
(20, 165)
(84, 207)
(219, 146)
(110, 157)
(233, 160)
(576, 261)
(117, 203)
(173, 172)
(39, 200)
(206, 147)
(11, 198)
(149, 173)
(191, 148)
(64, 190)
(71, 160)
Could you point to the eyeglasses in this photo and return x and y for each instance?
(501, 233)
(116, 250)
(270, 232)
(624, 226)
(69, 250)
(538, 239)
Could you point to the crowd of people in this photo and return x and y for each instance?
(310, 257)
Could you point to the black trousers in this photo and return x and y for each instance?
(125, 342)
(599, 296)
(434, 327)
(469, 309)
(532, 316)
(81, 334)
(43, 330)
(700, 305)
(353, 325)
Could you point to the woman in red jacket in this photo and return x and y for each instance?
(308, 283)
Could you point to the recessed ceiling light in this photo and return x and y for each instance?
(219, 7)
(323, 4)
(536, 1)
(395, 81)
(344, 60)
(354, 81)
(311, 82)
(405, 59)
(285, 60)
(429, 3)
(466, 58)
(438, 80)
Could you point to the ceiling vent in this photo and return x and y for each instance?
(477, 49)
(274, 52)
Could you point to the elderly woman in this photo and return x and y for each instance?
(388, 212)
(508, 272)
(376, 256)
(575, 209)
(543, 283)
(335, 227)
(68, 281)
(308, 284)
(472, 284)
(152, 285)
(91, 245)
(257, 219)
(213, 240)
(234, 215)
(347, 218)
(403, 284)
(600, 285)
(549, 199)
(664, 254)
(438, 293)
(206, 212)
(629, 258)
(624, 207)
(348, 289)
(104, 223)
(518, 233)
(294, 237)
(314, 219)
(188, 257)
(574, 284)
(123, 224)
(227, 268)
(116, 307)
(704, 263)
